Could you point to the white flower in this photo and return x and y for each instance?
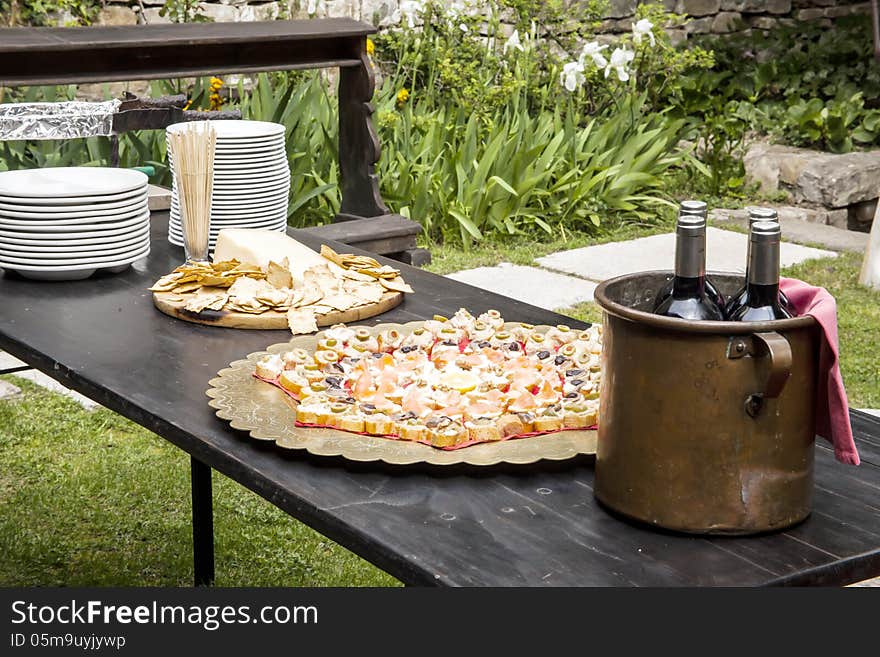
(462, 27)
(513, 42)
(409, 10)
(620, 58)
(643, 28)
(456, 8)
(312, 7)
(593, 50)
(572, 75)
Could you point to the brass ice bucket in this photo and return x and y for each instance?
(705, 427)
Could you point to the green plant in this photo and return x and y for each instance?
(49, 12)
(184, 11)
(805, 85)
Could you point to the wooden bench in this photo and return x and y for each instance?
(51, 56)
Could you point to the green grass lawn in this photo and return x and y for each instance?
(89, 498)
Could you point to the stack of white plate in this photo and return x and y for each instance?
(251, 179)
(68, 222)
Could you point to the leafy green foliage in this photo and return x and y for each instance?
(184, 11)
(806, 85)
(57, 13)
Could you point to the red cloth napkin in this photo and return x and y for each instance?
(832, 411)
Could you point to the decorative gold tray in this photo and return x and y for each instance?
(267, 414)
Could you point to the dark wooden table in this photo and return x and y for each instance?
(535, 525)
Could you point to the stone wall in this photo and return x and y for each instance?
(729, 16)
(708, 16)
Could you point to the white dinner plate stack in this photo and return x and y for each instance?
(66, 223)
(251, 179)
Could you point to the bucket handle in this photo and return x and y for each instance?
(780, 362)
(778, 349)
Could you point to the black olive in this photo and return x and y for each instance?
(571, 395)
(408, 348)
(513, 346)
(350, 400)
(450, 343)
(559, 360)
(369, 407)
(574, 372)
(543, 354)
(376, 354)
(408, 415)
(333, 381)
(339, 367)
(482, 344)
(577, 382)
(432, 422)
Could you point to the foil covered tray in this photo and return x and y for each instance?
(266, 413)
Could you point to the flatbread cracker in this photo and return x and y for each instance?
(301, 320)
(279, 275)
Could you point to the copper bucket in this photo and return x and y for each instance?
(705, 427)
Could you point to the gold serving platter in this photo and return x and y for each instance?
(266, 413)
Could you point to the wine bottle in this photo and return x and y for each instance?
(686, 211)
(738, 299)
(762, 285)
(689, 299)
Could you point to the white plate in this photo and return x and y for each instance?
(243, 158)
(92, 220)
(246, 197)
(69, 211)
(267, 165)
(65, 182)
(72, 200)
(233, 129)
(239, 178)
(87, 211)
(243, 147)
(244, 223)
(240, 187)
(78, 230)
(63, 247)
(234, 207)
(227, 219)
(111, 261)
(50, 258)
(248, 160)
(56, 239)
(177, 233)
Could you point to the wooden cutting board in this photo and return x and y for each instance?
(173, 304)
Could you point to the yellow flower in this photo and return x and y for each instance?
(188, 103)
(402, 96)
(216, 83)
(371, 47)
(216, 101)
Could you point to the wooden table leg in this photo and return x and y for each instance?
(359, 147)
(202, 523)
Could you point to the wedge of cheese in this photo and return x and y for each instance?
(257, 246)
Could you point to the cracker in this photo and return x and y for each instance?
(301, 320)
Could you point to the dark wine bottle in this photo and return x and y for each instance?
(738, 299)
(689, 299)
(762, 302)
(687, 210)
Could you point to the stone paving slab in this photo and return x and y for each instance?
(725, 251)
(51, 384)
(8, 391)
(532, 285)
(8, 361)
(801, 231)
